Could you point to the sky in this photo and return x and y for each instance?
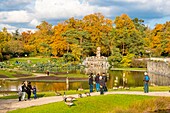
(27, 14)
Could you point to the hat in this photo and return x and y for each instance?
(145, 73)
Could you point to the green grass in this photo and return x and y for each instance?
(10, 72)
(33, 59)
(151, 89)
(74, 75)
(130, 69)
(102, 104)
(43, 94)
(7, 73)
(69, 92)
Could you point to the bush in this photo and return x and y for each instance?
(138, 63)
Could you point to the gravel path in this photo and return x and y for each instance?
(12, 104)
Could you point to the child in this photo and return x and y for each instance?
(35, 92)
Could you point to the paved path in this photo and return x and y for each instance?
(12, 104)
(39, 74)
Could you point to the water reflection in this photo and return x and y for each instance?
(133, 79)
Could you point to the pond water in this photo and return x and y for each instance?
(132, 79)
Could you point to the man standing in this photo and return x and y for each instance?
(101, 82)
(105, 80)
(91, 82)
(146, 82)
(29, 88)
(97, 82)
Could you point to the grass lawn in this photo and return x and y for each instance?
(10, 73)
(32, 59)
(73, 75)
(151, 88)
(69, 92)
(103, 104)
(43, 94)
(7, 73)
(130, 69)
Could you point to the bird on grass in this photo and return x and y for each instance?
(69, 103)
(80, 95)
(69, 98)
(80, 89)
(87, 94)
(57, 93)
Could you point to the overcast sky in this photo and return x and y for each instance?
(27, 14)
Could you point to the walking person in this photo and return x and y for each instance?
(20, 92)
(47, 73)
(34, 92)
(146, 82)
(101, 82)
(97, 82)
(29, 88)
(91, 82)
(105, 80)
(24, 89)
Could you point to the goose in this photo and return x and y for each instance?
(69, 98)
(68, 103)
(80, 95)
(80, 89)
(87, 94)
(57, 93)
(127, 88)
(64, 96)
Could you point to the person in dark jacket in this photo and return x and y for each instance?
(105, 80)
(101, 82)
(34, 92)
(91, 82)
(24, 89)
(97, 82)
(29, 88)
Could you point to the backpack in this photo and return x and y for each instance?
(147, 78)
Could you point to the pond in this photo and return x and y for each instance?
(131, 78)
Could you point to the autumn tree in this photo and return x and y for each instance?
(99, 28)
(42, 38)
(155, 40)
(166, 41)
(28, 41)
(124, 26)
(5, 37)
(58, 43)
